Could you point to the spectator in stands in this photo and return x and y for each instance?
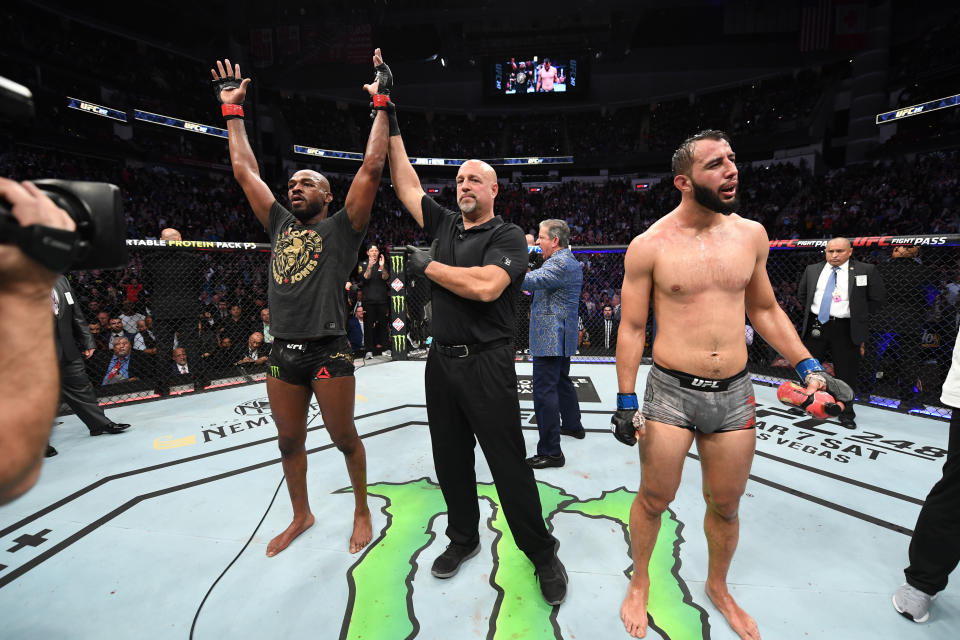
(224, 358)
(115, 331)
(257, 351)
(201, 341)
(184, 372)
(125, 365)
(839, 295)
(145, 340)
(129, 319)
(100, 341)
(265, 321)
(236, 326)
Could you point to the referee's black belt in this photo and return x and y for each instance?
(464, 350)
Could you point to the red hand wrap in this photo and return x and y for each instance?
(232, 110)
(380, 100)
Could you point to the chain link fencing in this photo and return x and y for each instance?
(190, 313)
(905, 360)
(208, 299)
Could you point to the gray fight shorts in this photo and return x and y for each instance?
(702, 404)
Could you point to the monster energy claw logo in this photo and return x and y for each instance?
(381, 605)
(274, 371)
(396, 263)
(399, 342)
(398, 303)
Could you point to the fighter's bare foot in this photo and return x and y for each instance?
(633, 611)
(738, 619)
(283, 540)
(362, 531)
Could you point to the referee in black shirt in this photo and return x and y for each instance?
(471, 384)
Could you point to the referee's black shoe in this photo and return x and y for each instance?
(579, 434)
(448, 563)
(553, 580)
(542, 462)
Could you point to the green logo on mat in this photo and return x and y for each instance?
(381, 580)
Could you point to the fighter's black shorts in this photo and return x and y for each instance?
(707, 405)
(303, 362)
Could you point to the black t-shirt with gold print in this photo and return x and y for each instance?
(308, 268)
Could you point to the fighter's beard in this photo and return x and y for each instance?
(710, 200)
(306, 213)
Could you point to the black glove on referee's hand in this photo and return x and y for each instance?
(418, 259)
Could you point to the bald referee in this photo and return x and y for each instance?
(470, 379)
(314, 252)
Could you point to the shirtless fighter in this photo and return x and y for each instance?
(702, 266)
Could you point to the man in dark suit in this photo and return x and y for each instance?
(183, 371)
(603, 332)
(75, 387)
(838, 297)
(125, 365)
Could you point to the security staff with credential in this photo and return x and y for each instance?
(477, 267)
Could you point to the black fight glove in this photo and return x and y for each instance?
(381, 101)
(418, 259)
(385, 77)
(228, 82)
(627, 419)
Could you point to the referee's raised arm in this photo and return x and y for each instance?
(406, 183)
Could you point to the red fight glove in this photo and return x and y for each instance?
(819, 404)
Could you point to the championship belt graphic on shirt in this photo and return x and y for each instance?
(295, 255)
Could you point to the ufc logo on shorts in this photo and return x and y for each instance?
(298, 347)
(705, 384)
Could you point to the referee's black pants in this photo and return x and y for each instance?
(935, 546)
(845, 355)
(474, 399)
(77, 392)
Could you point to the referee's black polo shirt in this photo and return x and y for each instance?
(458, 320)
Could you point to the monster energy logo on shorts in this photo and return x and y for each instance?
(396, 263)
(274, 371)
(399, 342)
(381, 604)
(398, 303)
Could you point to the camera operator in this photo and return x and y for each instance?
(29, 402)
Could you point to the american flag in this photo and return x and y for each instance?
(815, 33)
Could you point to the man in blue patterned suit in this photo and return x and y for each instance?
(553, 339)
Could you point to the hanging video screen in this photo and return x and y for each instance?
(535, 75)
